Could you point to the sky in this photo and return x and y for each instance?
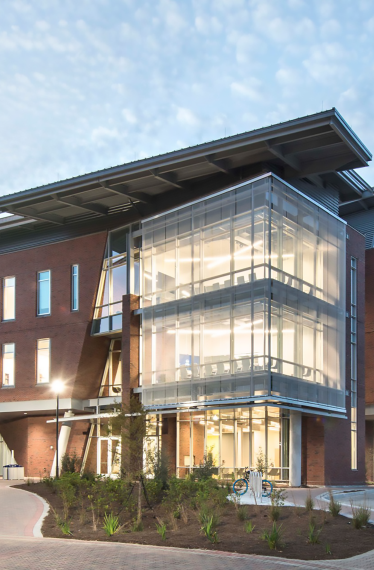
(89, 84)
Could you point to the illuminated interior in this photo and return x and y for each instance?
(243, 297)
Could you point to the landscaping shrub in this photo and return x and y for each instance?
(70, 463)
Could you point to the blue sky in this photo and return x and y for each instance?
(88, 84)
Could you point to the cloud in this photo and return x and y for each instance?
(129, 116)
(187, 117)
(327, 62)
(250, 89)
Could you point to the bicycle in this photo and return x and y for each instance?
(240, 486)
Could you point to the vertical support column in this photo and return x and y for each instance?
(63, 439)
(295, 449)
(130, 346)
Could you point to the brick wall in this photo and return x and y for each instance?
(327, 441)
(76, 357)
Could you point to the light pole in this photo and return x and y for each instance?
(57, 387)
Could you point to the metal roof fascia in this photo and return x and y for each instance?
(167, 159)
(353, 134)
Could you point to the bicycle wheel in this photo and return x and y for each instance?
(267, 488)
(240, 487)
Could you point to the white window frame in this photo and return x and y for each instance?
(38, 363)
(73, 281)
(39, 314)
(14, 307)
(14, 365)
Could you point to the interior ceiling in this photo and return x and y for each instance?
(320, 148)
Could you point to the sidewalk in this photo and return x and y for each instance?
(20, 511)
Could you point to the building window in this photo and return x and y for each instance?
(44, 293)
(9, 298)
(353, 363)
(75, 288)
(8, 364)
(43, 360)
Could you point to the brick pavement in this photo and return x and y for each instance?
(60, 554)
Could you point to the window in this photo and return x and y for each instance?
(353, 363)
(9, 298)
(44, 293)
(8, 364)
(74, 287)
(43, 360)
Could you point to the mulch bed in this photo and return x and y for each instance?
(342, 539)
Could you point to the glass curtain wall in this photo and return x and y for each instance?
(243, 296)
(114, 281)
(235, 439)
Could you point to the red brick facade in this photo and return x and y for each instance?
(76, 357)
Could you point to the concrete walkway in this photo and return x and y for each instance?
(21, 549)
(20, 511)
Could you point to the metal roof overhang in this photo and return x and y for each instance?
(321, 148)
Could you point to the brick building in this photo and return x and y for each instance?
(224, 284)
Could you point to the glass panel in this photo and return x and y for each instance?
(74, 287)
(44, 293)
(9, 298)
(8, 364)
(244, 333)
(43, 360)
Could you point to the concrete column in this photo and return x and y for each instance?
(63, 439)
(295, 449)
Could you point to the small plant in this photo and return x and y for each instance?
(309, 503)
(274, 513)
(208, 527)
(360, 516)
(313, 534)
(241, 513)
(249, 527)
(274, 537)
(69, 463)
(161, 529)
(278, 497)
(137, 526)
(334, 506)
(111, 524)
(65, 527)
(327, 549)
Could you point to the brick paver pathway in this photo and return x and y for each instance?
(60, 554)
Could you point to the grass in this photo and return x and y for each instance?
(334, 506)
(313, 534)
(274, 537)
(360, 516)
(309, 503)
